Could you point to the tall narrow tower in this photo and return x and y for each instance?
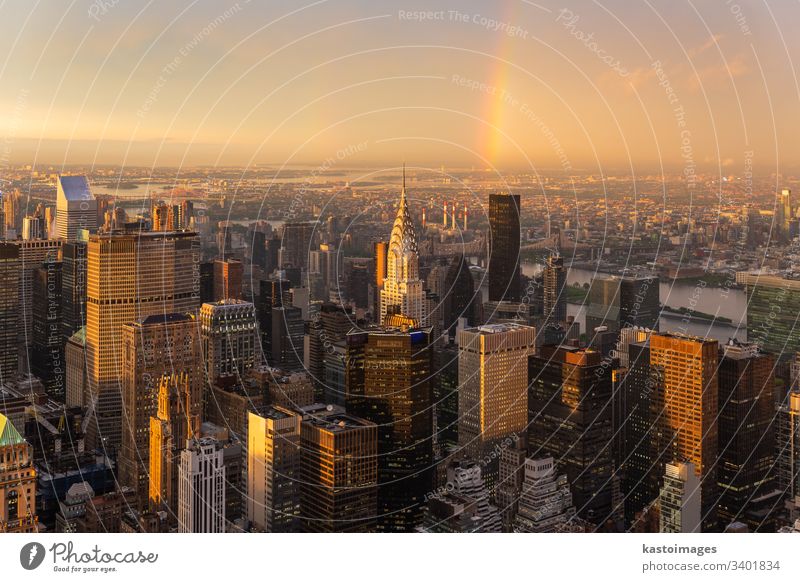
(403, 292)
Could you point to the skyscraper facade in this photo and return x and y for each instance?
(76, 207)
(403, 291)
(493, 389)
(620, 302)
(130, 276)
(338, 477)
(17, 481)
(201, 487)
(397, 397)
(153, 347)
(9, 309)
(570, 420)
(229, 333)
(687, 409)
(555, 299)
(504, 225)
(273, 482)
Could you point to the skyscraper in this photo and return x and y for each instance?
(152, 347)
(772, 306)
(788, 445)
(273, 456)
(175, 421)
(746, 436)
(47, 355)
(570, 420)
(380, 257)
(17, 481)
(545, 503)
(229, 333)
(201, 487)
(32, 253)
(493, 389)
(679, 500)
(397, 397)
(687, 407)
(403, 291)
(76, 207)
(130, 276)
(504, 224)
(555, 298)
(296, 244)
(228, 275)
(9, 309)
(620, 302)
(460, 297)
(338, 477)
(73, 286)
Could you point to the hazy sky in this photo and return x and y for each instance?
(570, 86)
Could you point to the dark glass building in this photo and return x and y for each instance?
(504, 224)
(617, 302)
(569, 411)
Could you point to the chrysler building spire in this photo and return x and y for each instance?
(403, 292)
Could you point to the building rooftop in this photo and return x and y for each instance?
(8, 434)
(75, 188)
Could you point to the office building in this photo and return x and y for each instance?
(545, 502)
(460, 299)
(273, 455)
(745, 475)
(338, 471)
(555, 294)
(570, 420)
(229, 335)
(153, 347)
(687, 410)
(772, 305)
(47, 354)
(76, 207)
(228, 276)
(397, 396)
(73, 286)
(129, 277)
(621, 302)
(17, 481)
(296, 243)
(493, 389)
(679, 500)
(788, 446)
(504, 225)
(201, 487)
(403, 291)
(9, 310)
(32, 254)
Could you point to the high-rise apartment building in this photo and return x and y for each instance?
(129, 277)
(504, 225)
(201, 487)
(555, 294)
(338, 476)
(403, 291)
(493, 389)
(76, 207)
(273, 454)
